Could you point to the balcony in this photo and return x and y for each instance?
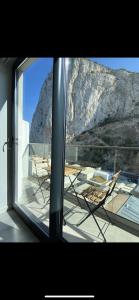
(122, 205)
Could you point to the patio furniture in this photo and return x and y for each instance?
(72, 170)
(84, 178)
(69, 170)
(39, 164)
(98, 197)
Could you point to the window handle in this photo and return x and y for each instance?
(4, 145)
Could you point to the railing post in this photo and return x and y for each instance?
(115, 160)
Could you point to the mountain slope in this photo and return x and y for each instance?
(96, 96)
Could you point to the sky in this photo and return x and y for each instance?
(33, 79)
(130, 64)
(37, 72)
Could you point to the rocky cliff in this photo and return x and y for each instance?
(97, 96)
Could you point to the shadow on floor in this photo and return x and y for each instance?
(13, 229)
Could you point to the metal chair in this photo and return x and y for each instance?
(98, 198)
(41, 179)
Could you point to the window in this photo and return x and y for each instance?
(101, 140)
(33, 130)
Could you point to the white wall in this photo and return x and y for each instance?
(5, 94)
(22, 130)
(25, 148)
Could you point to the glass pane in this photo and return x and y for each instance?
(33, 132)
(101, 133)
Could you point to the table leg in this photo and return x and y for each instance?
(72, 185)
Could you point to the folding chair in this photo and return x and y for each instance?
(41, 179)
(99, 198)
(71, 170)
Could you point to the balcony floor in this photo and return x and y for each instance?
(89, 232)
(14, 230)
(86, 232)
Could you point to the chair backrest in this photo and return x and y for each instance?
(110, 189)
(104, 193)
(113, 182)
(39, 163)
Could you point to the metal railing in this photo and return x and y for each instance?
(110, 158)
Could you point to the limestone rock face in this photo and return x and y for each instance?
(119, 133)
(40, 131)
(96, 95)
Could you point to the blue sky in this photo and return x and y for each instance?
(130, 64)
(35, 75)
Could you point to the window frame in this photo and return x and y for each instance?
(56, 225)
(57, 172)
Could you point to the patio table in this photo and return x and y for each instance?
(69, 170)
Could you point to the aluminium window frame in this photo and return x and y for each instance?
(58, 154)
(55, 219)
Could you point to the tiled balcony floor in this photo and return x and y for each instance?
(89, 232)
(86, 232)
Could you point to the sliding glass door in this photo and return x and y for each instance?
(70, 140)
(33, 131)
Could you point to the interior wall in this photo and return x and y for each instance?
(5, 96)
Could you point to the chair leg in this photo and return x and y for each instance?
(41, 186)
(64, 222)
(45, 203)
(42, 195)
(91, 213)
(72, 185)
(108, 217)
(38, 188)
(78, 200)
(87, 216)
(99, 228)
